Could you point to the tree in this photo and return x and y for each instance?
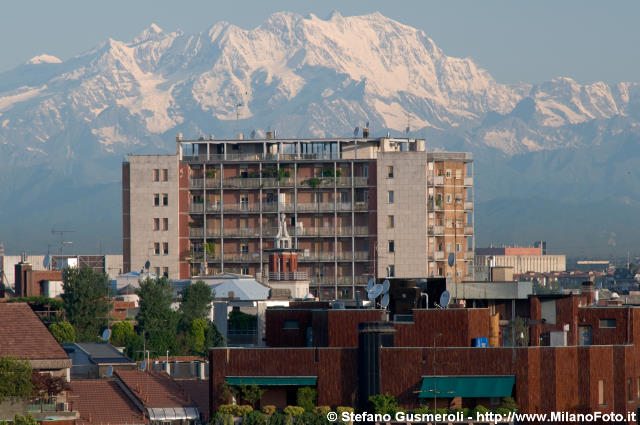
(85, 301)
(156, 320)
(63, 332)
(251, 393)
(120, 331)
(197, 338)
(306, 398)
(195, 303)
(384, 404)
(47, 385)
(24, 420)
(15, 378)
(213, 336)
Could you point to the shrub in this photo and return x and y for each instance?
(442, 411)
(322, 410)
(340, 410)
(221, 419)
(63, 331)
(235, 409)
(251, 393)
(510, 404)
(269, 410)
(312, 418)
(256, 418)
(294, 411)
(479, 409)
(306, 398)
(422, 410)
(384, 404)
(280, 418)
(503, 411)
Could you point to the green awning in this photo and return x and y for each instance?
(272, 380)
(467, 386)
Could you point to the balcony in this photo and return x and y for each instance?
(215, 207)
(469, 256)
(438, 255)
(196, 232)
(212, 183)
(242, 183)
(437, 230)
(242, 207)
(196, 207)
(196, 183)
(288, 276)
(435, 180)
(242, 257)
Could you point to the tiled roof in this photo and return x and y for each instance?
(154, 389)
(22, 334)
(102, 352)
(102, 402)
(199, 392)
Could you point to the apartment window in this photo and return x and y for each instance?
(458, 247)
(244, 270)
(390, 171)
(290, 324)
(157, 271)
(165, 248)
(390, 222)
(165, 271)
(392, 246)
(391, 196)
(165, 224)
(156, 248)
(447, 174)
(165, 199)
(156, 175)
(365, 170)
(156, 199)
(601, 396)
(345, 293)
(448, 223)
(459, 173)
(448, 247)
(391, 270)
(607, 323)
(165, 174)
(448, 198)
(244, 249)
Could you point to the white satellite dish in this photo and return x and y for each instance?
(370, 283)
(385, 286)
(444, 299)
(46, 261)
(385, 301)
(375, 291)
(106, 334)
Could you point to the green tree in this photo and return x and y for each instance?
(251, 393)
(156, 319)
(24, 420)
(195, 303)
(197, 338)
(213, 336)
(306, 398)
(384, 404)
(63, 332)
(85, 301)
(15, 378)
(120, 331)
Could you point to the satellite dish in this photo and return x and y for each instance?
(253, 134)
(109, 371)
(106, 334)
(444, 299)
(147, 265)
(370, 283)
(375, 291)
(385, 301)
(46, 261)
(451, 259)
(143, 365)
(356, 131)
(385, 286)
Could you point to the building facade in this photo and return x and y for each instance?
(354, 208)
(522, 259)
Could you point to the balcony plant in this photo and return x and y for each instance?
(211, 174)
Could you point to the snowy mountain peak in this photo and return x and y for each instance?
(44, 58)
(152, 32)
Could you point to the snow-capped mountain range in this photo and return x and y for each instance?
(70, 122)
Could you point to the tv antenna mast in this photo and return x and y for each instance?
(238, 103)
(61, 232)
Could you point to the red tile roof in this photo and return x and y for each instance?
(199, 392)
(22, 334)
(102, 402)
(155, 389)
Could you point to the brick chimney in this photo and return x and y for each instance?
(587, 290)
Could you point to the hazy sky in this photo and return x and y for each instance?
(529, 41)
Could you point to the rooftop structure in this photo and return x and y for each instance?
(354, 208)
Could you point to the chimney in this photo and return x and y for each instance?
(269, 135)
(587, 289)
(365, 132)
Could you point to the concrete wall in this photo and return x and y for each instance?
(409, 209)
(142, 212)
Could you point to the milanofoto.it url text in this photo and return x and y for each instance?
(490, 417)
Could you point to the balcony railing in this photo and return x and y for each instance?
(288, 276)
(437, 230)
(242, 257)
(195, 183)
(196, 207)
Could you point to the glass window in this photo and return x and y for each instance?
(165, 174)
(165, 248)
(165, 271)
(156, 224)
(156, 175)
(447, 174)
(391, 196)
(290, 324)
(607, 323)
(391, 270)
(165, 224)
(390, 171)
(448, 198)
(392, 246)
(156, 199)
(165, 199)
(156, 248)
(390, 222)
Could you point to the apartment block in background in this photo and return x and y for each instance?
(354, 208)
